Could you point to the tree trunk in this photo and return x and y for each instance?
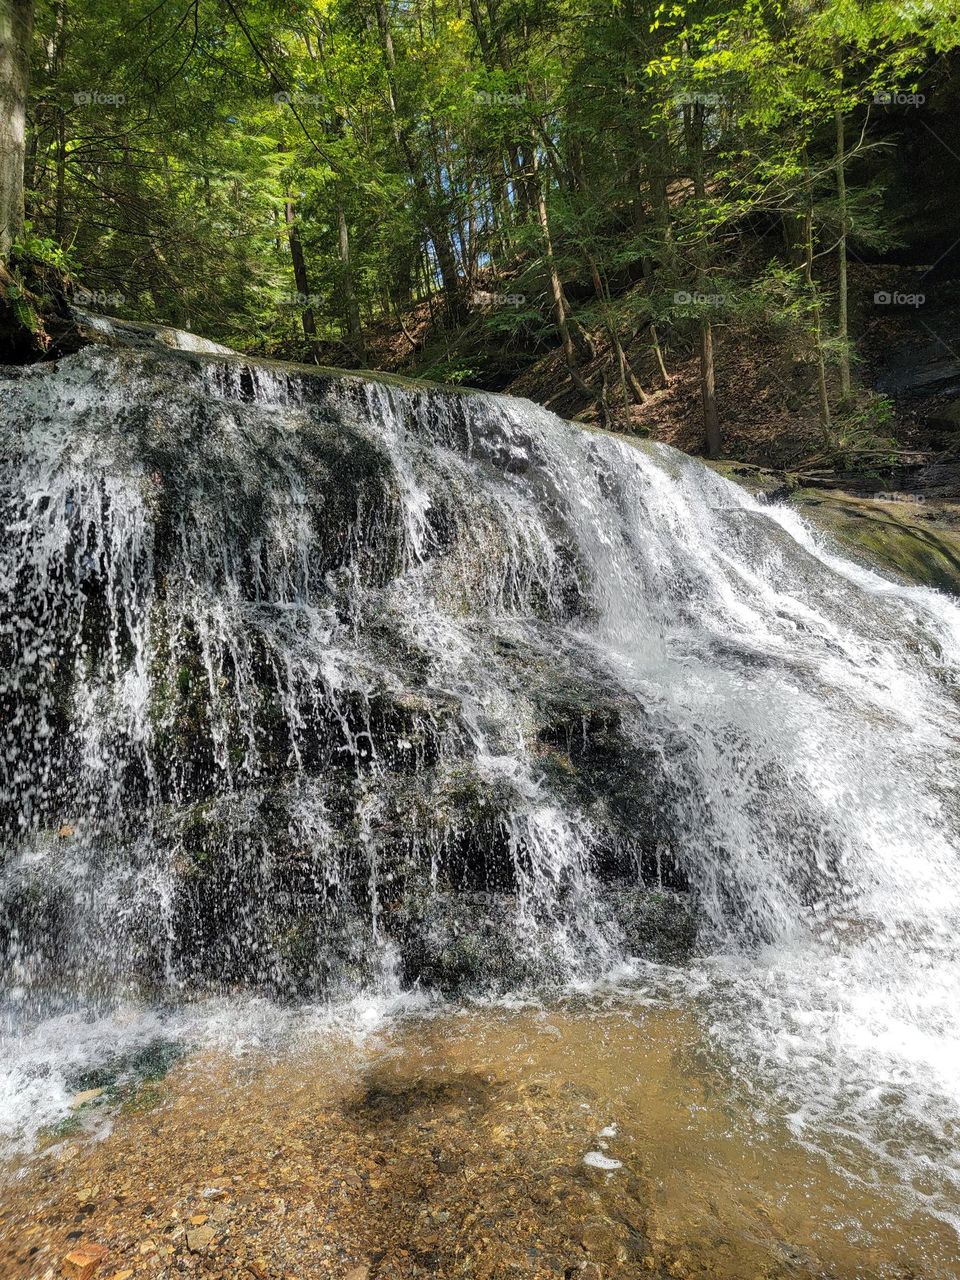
(300, 272)
(654, 336)
(558, 301)
(432, 218)
(658, 355)
(57, 61)
(447, 261)
(519, 182)
(793, 228)
(842, 323)
(354, 327)
(628, 379)
(708, 396)
(59, 216)
(481, 33)
(822, 396)
(657, 166)
(16, 31)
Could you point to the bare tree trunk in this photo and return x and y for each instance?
(59, 215)
(822, 396)
(603, 402)
(842, 321)
(558, 301)
(481, 32)
(627, 376)
(557, 298)
(354, 327)
(793, 228)
(519, 181)
(447, 262)
(658, 355)
(657, 167)
(708, 392)
(654, 336)
(432, 219)
(16, 32)
(300, 272)
(559, 304)
(708, 382)
(57, 60)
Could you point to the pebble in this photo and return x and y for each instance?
(200, 1239)
(82, 1263)
(597, 1160)
(86, 1095)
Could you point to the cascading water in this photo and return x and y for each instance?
(315, 684)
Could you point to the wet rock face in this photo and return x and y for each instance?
(912, 536)
(282, 664)
(312, 682)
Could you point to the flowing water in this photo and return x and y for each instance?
(325, 696)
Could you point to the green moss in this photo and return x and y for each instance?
(144, 1098)
(916, 541)
(656, 924)
(143, 1066)
(68, 1127)
(906, 539)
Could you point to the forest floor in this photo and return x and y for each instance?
(900, 432)
(562, 1144)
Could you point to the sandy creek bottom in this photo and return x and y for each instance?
(462, 1144)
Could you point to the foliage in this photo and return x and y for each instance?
(864, 440)
(42, 252)
(330, 164)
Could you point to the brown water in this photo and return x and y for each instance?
(455, 1146)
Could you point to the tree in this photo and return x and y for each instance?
(16, 31)
(346, 168)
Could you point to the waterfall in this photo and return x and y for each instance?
(314, 683)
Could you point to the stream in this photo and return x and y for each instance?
(380, 759)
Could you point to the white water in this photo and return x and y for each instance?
(333, 626)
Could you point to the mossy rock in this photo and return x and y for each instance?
(467, 944)
(147, 1064)
(909, 538)
(914, 541)
(656, 924)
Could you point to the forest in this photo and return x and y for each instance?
(630, 210)
(479, 639)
